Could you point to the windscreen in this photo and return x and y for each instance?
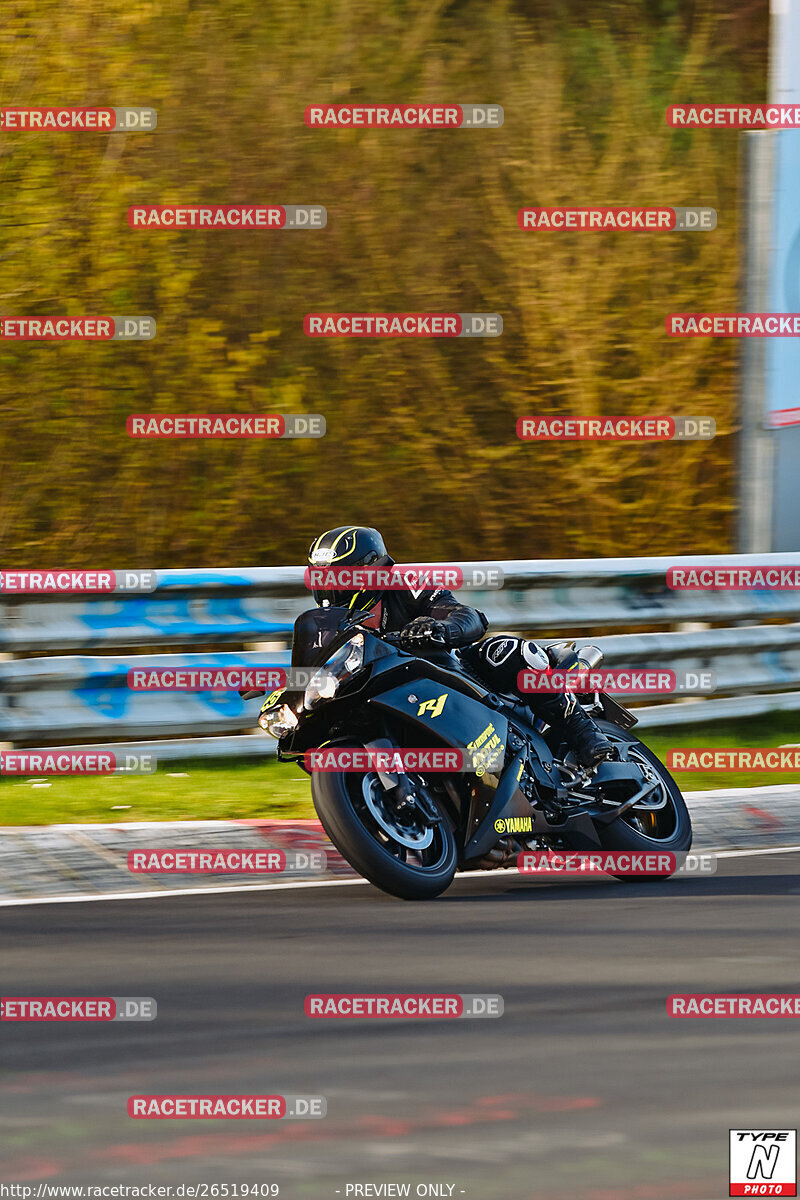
(313, 633)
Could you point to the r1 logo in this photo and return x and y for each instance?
(763, 1162)
(434, 707)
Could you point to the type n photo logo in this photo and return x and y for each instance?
(763, 1162)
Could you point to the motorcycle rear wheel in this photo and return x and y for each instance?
(666, 829)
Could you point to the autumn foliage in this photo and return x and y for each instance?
(421, 434)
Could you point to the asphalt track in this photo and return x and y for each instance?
(584, 1088)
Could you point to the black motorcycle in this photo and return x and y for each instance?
(520, 788)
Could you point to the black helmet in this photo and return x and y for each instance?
(348, 546)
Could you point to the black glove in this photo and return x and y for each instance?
(423, 629)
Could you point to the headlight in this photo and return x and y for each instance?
(278, 721)
(340, 666)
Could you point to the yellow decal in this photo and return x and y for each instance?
(272, 698)
(514, 825)
(434, 707)
(487, 751)
(481, 738)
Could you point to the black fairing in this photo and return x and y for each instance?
(387, 698)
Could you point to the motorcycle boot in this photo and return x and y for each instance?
(582, 735)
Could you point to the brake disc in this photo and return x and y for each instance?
(415, 838)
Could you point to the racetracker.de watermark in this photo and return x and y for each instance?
(78, 329)
(616, 429)
(404, 116)
(78, 1008)
(415, 578)
(733, 116)
(625, 681)
(360, 760)
(68, 120)
(733, 578)
(416, 1005)
(224, 862)
(739, 325)
(402, 325)
(579, 863)
(74, 761)
(736, 758)
(226, 1108)
(76, 582)
(226, 425)
(630, 219)
(734, 1004)
(227, 216)
(210, 678)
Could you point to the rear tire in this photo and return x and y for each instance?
(622, 835)
(334, 804)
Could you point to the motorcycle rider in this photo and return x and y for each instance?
(436, 615)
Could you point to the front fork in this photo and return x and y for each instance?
(400, 788)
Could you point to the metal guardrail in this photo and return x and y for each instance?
(62, 697)
(228, 606)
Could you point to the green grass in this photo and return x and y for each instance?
(200, 790)
(770, 731)
(181, 791)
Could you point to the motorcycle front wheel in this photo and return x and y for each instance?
(397, 849)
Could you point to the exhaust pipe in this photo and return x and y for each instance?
(590, 657)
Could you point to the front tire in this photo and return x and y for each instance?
(370, 849)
